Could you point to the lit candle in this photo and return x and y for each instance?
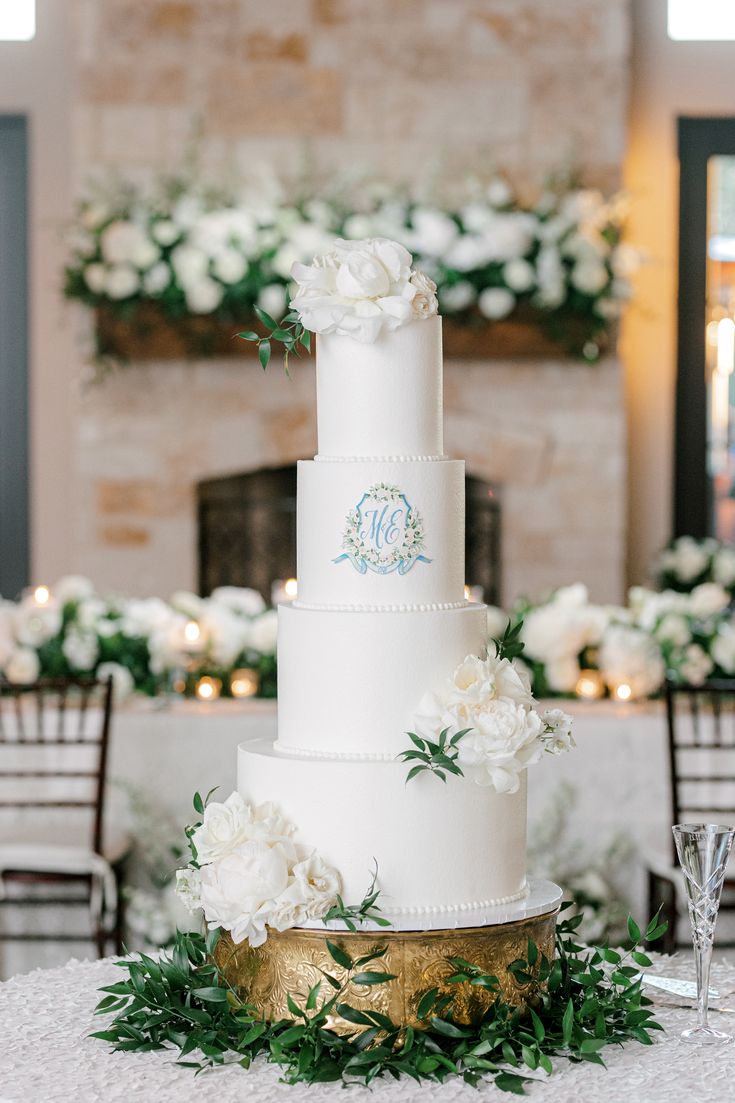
(244, 682)
(474, 593)
(41, 595)
(283, 591)
(623, 692)
(208, 689)
(590, 685)
(192, 632)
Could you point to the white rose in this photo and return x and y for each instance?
(189, 888)
(189, 264)
(433, 231)
(226, 634)
(272, 299)
(496, 302)
(224, 826)
(629, 656)
(505, 740)
(72, 587)
(95, 277)
(674, 628)
(239, 890)
(519, 274)
(204, 296)
(230, 266)
(127, 243)
(80, 649)
(697, 665)
(239, 599)
(424, 303)
(122, 281)
(457, 297)
(562, 674)
(165, 232)
(689, 558)
(589, 276)
(23, 666)
(362, 276)
(157, 279)
(264, 632)
(708, 599)
(34, 625)
(723, 648)
(723, 567)
(319, 884)
(122, 679)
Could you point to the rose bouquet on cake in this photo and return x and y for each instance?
(484, 724)
(247, 874)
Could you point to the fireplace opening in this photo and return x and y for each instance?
(247, 532)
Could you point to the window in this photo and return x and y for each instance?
(702, 20)
(17, 20)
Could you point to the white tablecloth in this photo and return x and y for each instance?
(46, 1056)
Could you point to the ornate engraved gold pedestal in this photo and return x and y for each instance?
(290, 963)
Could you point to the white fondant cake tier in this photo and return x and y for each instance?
(450, 848)
(382, 399)
(349, 682)
(358, 545)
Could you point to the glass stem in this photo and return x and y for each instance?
(703, 956)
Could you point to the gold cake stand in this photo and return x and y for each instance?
(293, 961)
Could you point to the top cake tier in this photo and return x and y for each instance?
(381, 400)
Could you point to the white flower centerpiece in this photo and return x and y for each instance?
(247, 874)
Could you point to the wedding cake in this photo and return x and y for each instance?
(404, 733)
(381, 622)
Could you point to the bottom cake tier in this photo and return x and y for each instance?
(443, 851)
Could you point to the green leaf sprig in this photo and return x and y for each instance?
(353, 915)
(200, 803)
(289, 332)
(582, 1001)
(510, 645)
(438, 758)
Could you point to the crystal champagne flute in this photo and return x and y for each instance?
(704, 850)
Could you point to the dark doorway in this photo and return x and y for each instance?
(704, 446)
(14, 550)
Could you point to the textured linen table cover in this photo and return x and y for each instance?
(46, 1056)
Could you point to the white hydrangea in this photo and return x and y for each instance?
(122, 679)
(696, 665)
(23, 666)
(496, 302)
(457, 296)
(629, 656)
(121, 281)
(203, 296)
(80, 649)
(723, 566)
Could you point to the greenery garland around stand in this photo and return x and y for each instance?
(584, 1000)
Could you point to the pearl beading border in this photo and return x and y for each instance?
(417, 607)
(337, 756)
(318, 458)
(452, 909)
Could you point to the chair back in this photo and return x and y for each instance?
(54, 740)
(701, 726)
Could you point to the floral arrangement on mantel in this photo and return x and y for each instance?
(173, 271)
(221, 645)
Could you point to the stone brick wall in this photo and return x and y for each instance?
(397, 88)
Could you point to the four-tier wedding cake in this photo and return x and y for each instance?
(380, 643)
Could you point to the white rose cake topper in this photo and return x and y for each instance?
(362, 289)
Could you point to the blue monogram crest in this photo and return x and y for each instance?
(383, 533)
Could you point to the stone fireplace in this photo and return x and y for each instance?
(550, 434)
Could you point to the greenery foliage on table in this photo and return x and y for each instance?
(199, 251)
(581, 1002)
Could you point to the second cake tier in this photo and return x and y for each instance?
(351, 682)
(381, 533)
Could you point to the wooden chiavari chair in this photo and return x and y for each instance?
(54, 741)
(701, 738)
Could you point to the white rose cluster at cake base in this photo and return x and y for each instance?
(379, 625)
(248, 874)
